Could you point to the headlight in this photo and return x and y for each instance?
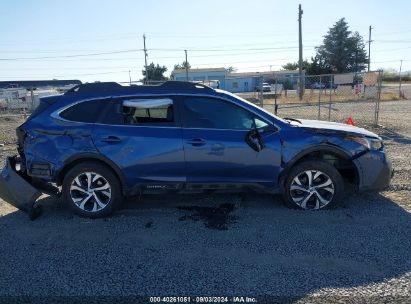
(369, 143)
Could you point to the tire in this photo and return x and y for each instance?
(324, 192)
(83, 197)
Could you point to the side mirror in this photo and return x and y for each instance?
(254, 140)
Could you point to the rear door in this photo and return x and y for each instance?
(143, 137)
(214, 132)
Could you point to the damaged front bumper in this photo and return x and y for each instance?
(375, 170)
(16, 189)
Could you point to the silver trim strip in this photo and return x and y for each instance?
(56, 114)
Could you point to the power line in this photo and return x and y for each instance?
(391, 50)
(392, 41)
(397, 60)
(69, 56)
(121, 36)
(67, 75)
(65, 68)
(227, 50)
(191, 48)
(127, 67)
(64, 58)
(236, 62)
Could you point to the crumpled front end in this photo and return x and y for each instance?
(16, 190)
(375, 170)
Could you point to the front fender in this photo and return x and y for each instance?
(298, 144)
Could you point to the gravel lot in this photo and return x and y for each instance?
(220, 245)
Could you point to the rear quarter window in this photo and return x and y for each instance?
(94, 111)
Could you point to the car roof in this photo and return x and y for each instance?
(116, 89)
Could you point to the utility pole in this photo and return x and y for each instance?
(369, 48)
(129, 75)
(400, 80)
(185, 51)
(300, 57)
(145, 57)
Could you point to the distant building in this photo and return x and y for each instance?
(204, 75)
(237, 82)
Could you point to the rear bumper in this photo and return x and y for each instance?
(15, 189)
(375, 170)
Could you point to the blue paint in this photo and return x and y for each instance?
(173, 155)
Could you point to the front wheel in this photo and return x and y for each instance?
(313, 185)
(91, 190)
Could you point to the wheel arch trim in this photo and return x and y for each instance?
(89, 156)
(317, 148)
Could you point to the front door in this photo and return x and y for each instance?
(214, 133)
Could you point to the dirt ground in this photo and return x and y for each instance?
(219, 245)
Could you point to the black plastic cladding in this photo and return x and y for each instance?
(166, 87)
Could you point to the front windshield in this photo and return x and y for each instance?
(251, 104)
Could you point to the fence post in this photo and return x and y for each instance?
(399, 88)
(275, 97)
(319, 101)
(32, 99)
(378, 99)
(261, 92)
(329, 104)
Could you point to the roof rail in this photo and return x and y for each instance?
(92, 87)
(185, 85)
(110, 87)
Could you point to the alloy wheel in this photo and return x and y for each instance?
(90, 192)
(312, 189)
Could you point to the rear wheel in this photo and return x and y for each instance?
(313, 185)
(91, 190)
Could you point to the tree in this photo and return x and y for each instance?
(342, 51)
(184, 65)
(290, 66)
(316, 66)
(155, 72)
(231, 69)
(293, 66)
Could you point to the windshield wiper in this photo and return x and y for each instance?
(292, 119)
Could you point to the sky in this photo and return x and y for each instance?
(101, 40)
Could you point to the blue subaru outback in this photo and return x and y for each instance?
(101, 142)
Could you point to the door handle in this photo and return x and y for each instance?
(111, 139)
(196, 142)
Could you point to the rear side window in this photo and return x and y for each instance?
(148, 111)
(87, 111)
(94, 111)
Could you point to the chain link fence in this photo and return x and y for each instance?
(332, 97)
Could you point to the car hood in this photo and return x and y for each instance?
(335, 126)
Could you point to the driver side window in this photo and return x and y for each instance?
(211, 113)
